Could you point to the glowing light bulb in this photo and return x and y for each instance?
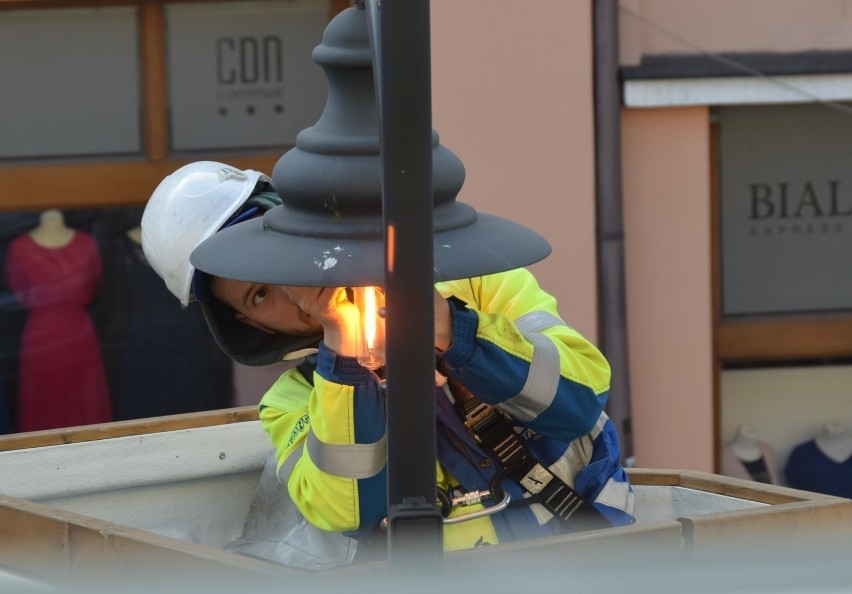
(371, 328)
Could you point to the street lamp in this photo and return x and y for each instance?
(369, 199)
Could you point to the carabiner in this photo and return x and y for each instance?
(482, 512)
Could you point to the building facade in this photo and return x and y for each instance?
(732, 172)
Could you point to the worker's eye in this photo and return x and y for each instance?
(259, 296)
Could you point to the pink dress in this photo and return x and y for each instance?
(62, 381)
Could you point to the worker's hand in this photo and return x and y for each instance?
(330, 307)
(443, 323)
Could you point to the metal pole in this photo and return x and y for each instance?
(414, 520)
(613, 318)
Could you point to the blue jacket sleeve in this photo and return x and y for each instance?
(511, 349)
(329, 441)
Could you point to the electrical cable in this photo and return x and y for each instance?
(733, 64)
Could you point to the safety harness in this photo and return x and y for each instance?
(491, 428)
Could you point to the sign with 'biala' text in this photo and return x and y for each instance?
(786, 209)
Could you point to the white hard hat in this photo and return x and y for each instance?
(187, 207)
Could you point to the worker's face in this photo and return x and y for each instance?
(265, 307)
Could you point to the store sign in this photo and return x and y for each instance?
(241, 74)
(786, 209)
(63, 94)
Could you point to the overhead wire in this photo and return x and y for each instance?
(733, 64)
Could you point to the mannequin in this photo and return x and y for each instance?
(823, 464)
(747, 457)
(51, 231)
(53, 271)
(744, 446)
(835, 441)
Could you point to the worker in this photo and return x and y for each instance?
(500, 343)
(189, 205)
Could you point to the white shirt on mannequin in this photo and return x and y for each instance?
(747, 457)
(835, 441)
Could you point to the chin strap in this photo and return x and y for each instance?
(264, 200)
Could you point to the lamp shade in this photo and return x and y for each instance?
(329, 231)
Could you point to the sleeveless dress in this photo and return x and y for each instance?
(62, 382)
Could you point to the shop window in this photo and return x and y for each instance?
(104, 102)
(785, 310)
(786, 210)
(63, 95)
(240, 74)
(89, 331)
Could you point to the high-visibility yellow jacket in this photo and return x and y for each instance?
(512, 350)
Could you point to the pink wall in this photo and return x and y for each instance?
(668, 261)
(512, 97)
(675, 26)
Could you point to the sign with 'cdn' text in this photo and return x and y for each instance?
(241, 74)
(786, 209)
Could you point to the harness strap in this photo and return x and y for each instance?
(492, 429)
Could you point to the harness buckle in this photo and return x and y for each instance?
(479, 418)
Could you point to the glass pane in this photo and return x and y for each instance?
(89, 331)
(241, 74)
(63, 94)
(786, 201)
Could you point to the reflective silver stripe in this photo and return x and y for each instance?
(289, 464)
(542, 380)
(618, 495)
(357, 460)
(543, 377)
(536, 321)
(598, 428)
